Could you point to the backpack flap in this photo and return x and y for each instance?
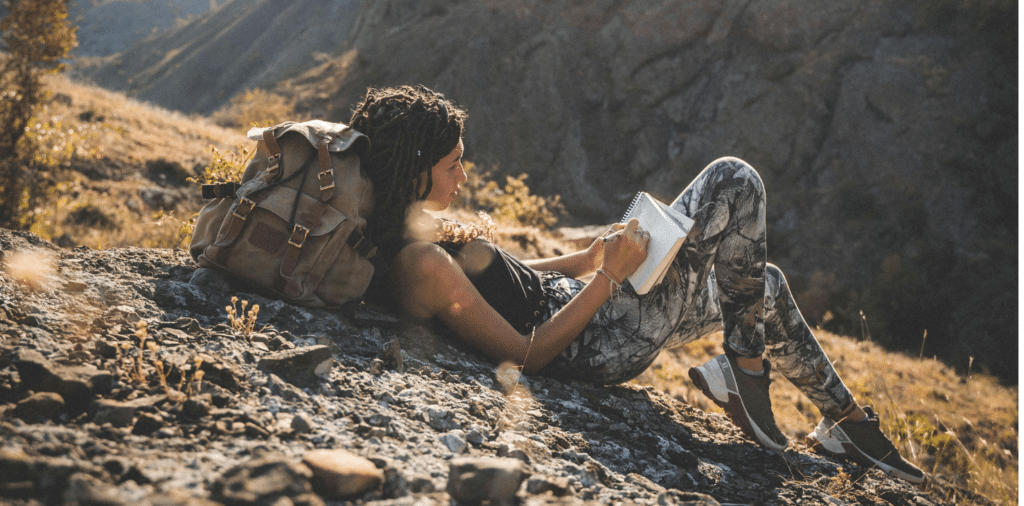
(342, 136)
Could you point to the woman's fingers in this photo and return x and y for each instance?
(631, 227)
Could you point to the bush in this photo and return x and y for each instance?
(37, 36)
(511, 204)
(255, 108)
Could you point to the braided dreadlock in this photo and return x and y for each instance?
(411, 128)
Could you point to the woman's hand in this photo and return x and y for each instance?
(596, 249)
(624, 250)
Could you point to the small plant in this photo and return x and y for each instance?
(141, 333)
(224, 167)
(511, 203)
(839, 484)
(240, 320)
(188, 385)
(193, 386)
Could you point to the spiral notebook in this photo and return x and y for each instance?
(668, 229)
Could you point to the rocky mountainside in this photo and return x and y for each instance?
(122, 381)
(106, 27)
(885, 130)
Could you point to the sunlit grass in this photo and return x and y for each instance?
(962, 432)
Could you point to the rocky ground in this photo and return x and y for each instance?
(123, 381)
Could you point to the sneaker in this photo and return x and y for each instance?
(743, 397)
(863, 443)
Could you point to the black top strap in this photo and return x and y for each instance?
(220, 190)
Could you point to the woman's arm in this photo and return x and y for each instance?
(578, 264)
(574, 265)
(434, 285)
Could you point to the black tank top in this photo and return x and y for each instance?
(512, 288)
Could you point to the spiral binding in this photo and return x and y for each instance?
(629, 210)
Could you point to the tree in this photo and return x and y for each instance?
(36, 37)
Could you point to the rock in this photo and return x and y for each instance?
(475, 436)
(77, 385)
(302, 364)
(190, 325)
(116, 413)
(556, 486)
(455, 440)
(37, 373)
(147, 424)
(507, 450)
(338, 473)
(421, 484)
(473, 480)
(679, 498)
(85, 489)
(219, 371)
(39, 407)
(75, 287)
(441, 420)
(196, 407)
(301, 424)
(391, 355)
(262, 481)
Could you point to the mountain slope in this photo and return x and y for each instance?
(885, 131)
(106, 27)
(120, 383)
(199, 65)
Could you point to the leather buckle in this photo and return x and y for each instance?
(273, 162)
(298, 242)
(242, 201)
(329, 173)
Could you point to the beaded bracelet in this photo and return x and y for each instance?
(613, 283)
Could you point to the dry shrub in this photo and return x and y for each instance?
(255, 107)
(511, 204)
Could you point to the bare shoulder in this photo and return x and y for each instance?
(422, 258)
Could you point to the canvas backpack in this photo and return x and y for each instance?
(294, 225)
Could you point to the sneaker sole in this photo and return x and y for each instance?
(716, 380)
(829, 439)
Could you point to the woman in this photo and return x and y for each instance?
(539, 314)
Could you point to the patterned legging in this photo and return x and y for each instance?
(719, 281)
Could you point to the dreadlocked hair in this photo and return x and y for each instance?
(411, 128)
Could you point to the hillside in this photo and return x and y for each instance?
(106, 27)
(123, 381)
(90, 413)
(885, 130)
(129, 162)
(199, 65)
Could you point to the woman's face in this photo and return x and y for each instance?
(447, 176)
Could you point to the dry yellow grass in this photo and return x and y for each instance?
(962, 431)
(102, 131)
(134, 131)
